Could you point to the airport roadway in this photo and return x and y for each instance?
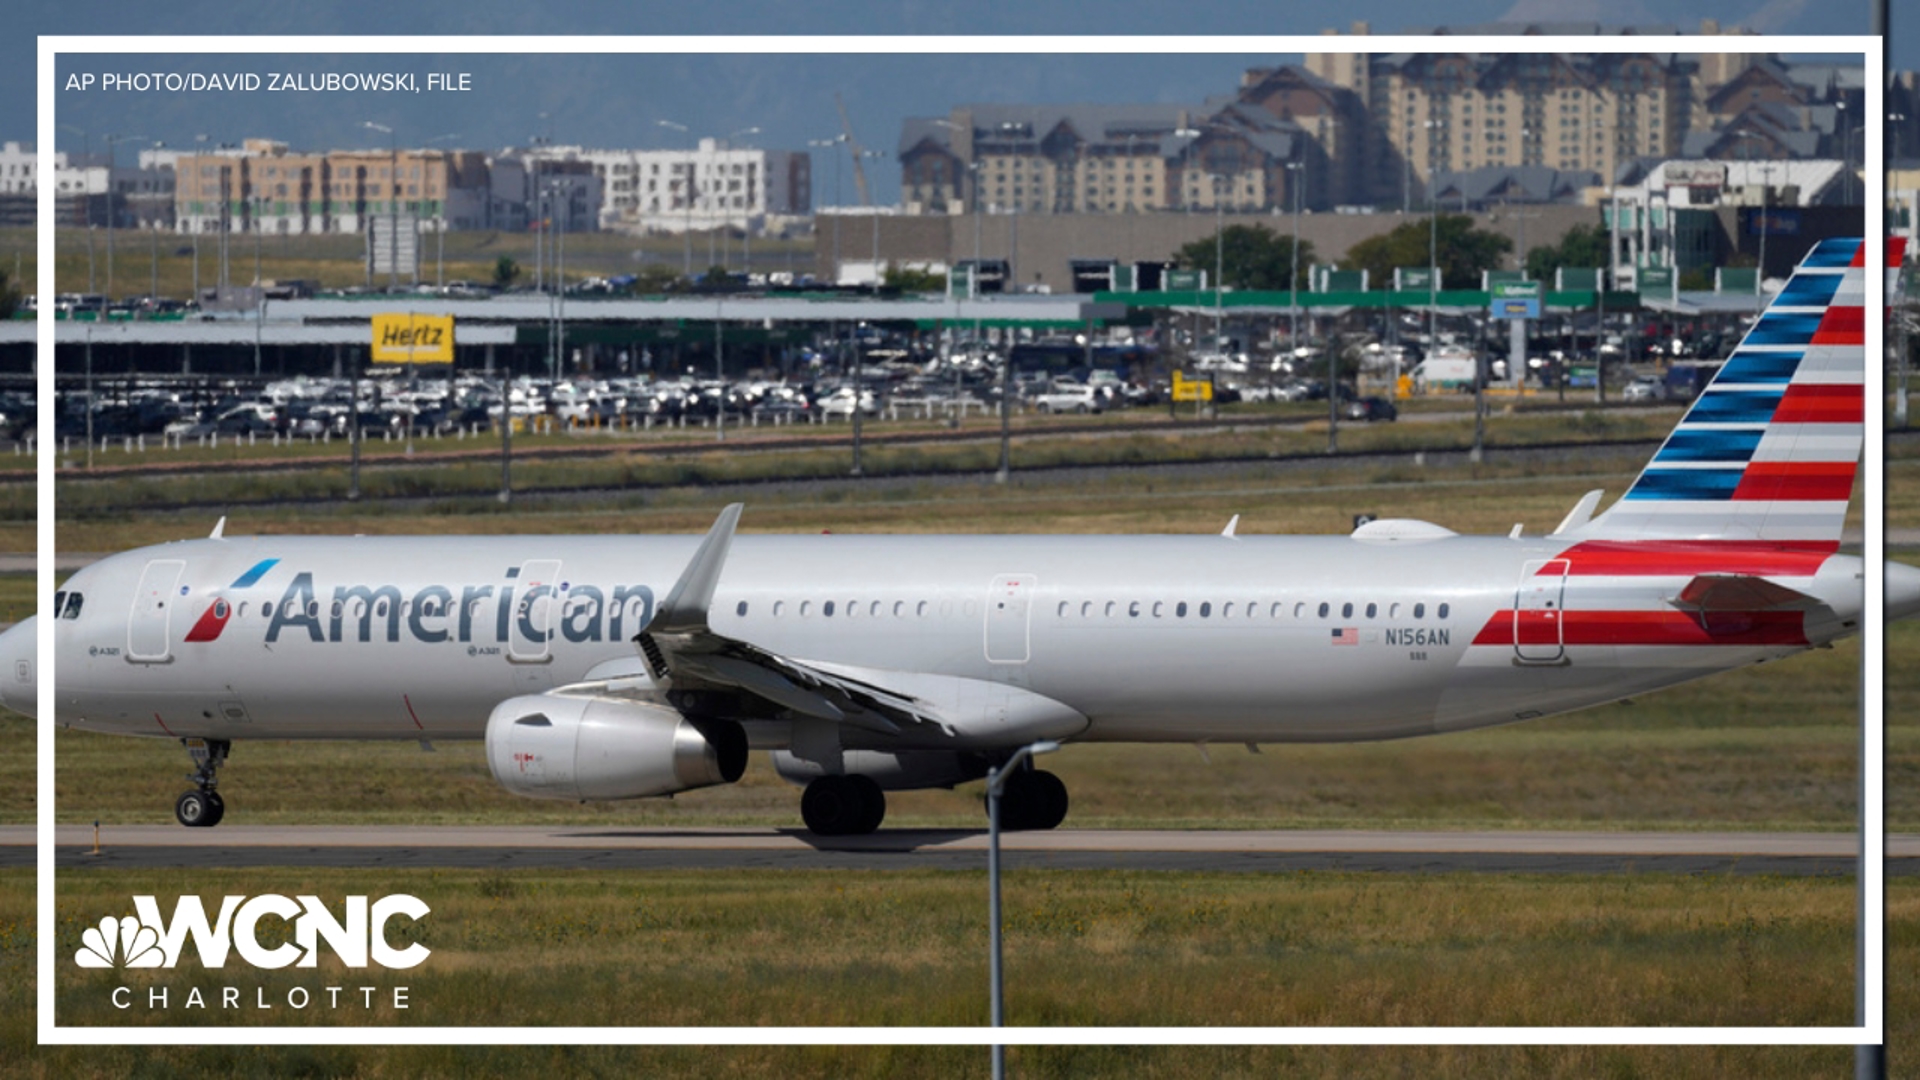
(604, 847)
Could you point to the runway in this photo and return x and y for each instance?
(1269, 851)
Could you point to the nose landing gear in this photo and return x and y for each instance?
(203, 807)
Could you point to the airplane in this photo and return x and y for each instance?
(624, 667)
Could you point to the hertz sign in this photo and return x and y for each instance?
(413, 339)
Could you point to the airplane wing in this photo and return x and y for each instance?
(683, 654)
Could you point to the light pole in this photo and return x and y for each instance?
(440, 233)
(822, 144)
(1219, 251)
(112, 141)
(686, 234)
(996, 780)
(746, 223)
(874, 217)
(393, 203)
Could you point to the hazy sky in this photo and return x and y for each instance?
(620, 101)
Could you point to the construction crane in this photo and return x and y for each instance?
(853, 149)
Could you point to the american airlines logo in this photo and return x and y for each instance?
(358, 937)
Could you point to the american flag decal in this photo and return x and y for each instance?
(1346, 635)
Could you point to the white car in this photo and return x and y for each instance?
(1645, 388)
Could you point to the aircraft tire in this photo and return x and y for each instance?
(195, 809)
(842, 805)
(217, 807)
(873, 803)
(1033, 800)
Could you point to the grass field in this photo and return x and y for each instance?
(1109, 948)
(337, 262)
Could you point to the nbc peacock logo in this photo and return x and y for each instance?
(125, 942)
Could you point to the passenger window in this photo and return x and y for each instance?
(1278, 608)
(1062, 613)
(1157, 606)
(873, 609)
(1323, 609)
(1393, 612)
(1226, 611)
(1206, 609)
(1372, 610)
(920, 609)
(1419, 611)
(826, 609)
(1110, 606)
(1299, 610)
(1086, 609)
(853, 608)
(741, 610)
(806, 608)
(1180, 610)
(1443, 611)
(1346, 611)
(1133, 609)
(899, 608)
(779, 608)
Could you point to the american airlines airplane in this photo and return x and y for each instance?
(624, 667)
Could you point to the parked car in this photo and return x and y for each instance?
(1370, 409)
(1645, 388)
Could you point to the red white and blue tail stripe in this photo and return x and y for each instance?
(1769, 450)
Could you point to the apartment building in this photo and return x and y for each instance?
(1100, 159)
(263, 186)
(716, 184)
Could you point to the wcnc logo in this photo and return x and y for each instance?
(359, 938)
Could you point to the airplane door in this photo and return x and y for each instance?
(1009, 610)
(153, 603)
(536, 608)
(1539, 633)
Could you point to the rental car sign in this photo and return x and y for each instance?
(407, 338)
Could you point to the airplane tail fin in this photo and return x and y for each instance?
(1769, 449)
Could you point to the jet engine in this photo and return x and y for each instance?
(556, 746)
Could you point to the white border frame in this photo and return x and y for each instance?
(1870, 933)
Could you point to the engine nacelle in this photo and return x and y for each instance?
(907, 771)
(555, 746)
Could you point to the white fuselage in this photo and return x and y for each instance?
(1153, 638)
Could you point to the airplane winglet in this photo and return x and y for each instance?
(1581, 513)
(219, 527)
(684, 611)
(1231, 525)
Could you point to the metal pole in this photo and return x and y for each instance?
(859, 386)
(1219, 255)
(506, 435)
(998, 1006)
(89, 396)
(720, 372)
(353, 438)
(1006, 412)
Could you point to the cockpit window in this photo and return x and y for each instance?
(59, 601)
(71, 608)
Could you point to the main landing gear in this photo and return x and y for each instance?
(850, 805)
(854, 805)
(203, 807)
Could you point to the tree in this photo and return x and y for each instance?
(1462, 251)
(1583, 246)
(1251, 257)
(910, 280)
(505, 272)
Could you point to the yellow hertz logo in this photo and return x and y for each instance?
(418, 339)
